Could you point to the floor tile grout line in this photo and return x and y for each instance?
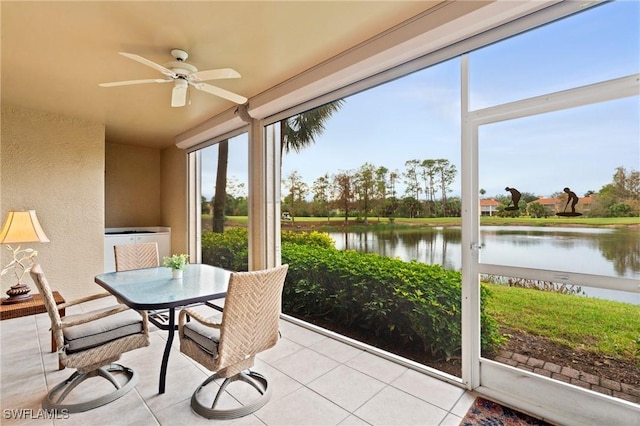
(144, 402)
(42, 354)
(455, 404)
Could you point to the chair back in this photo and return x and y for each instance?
(49, 302)
(136, 256)
(251, 314)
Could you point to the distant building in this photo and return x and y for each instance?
(488, 207)
(549, 204)
(555, 205)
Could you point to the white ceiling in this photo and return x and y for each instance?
(54, 54)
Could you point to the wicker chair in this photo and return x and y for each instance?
(136, 256)
(91, 342)
(249, 325)
(140, 256)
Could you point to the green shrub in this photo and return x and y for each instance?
(410, 303)
(227, 250)
(313, 238)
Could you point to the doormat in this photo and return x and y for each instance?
(488, 413)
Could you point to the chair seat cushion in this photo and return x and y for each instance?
(103, 330)
(205, 337)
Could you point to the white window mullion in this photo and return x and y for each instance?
(563, 277)
(593, 93)
(470, 239)
(264, 197)
(194, 228)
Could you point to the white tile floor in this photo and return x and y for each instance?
(316, 381)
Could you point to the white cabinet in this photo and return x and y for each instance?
(120, 236)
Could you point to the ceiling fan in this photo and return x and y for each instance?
(183, 75)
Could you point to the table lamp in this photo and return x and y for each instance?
(20, 227)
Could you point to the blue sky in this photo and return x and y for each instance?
(418, 116)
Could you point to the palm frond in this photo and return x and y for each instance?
(301, 130)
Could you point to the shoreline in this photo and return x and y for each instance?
(322, 225)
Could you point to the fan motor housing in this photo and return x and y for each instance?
(181, 68)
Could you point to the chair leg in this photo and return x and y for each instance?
(256, 380)
(54, 399)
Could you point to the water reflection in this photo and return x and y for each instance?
(622, 250)
(598, 251)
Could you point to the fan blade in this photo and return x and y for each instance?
(179, 94)
(220, 92)
(214, 74)
(149, 63)
(126, 83)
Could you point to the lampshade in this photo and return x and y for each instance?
(22, 227)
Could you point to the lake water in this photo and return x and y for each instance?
(599, 251)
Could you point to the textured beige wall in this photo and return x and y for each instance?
(55, 165)
(174, 196)
(132, 186)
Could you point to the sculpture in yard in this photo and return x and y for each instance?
(515, 198)
(573, 199)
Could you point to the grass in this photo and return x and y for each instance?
(602, 326)
(236, 219)
(527, 221)
(555, 221)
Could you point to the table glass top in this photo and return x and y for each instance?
(154, 288)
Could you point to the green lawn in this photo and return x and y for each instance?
(555, 221)
(528, 221)
(606, 327)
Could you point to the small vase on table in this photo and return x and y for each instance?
(176, 263)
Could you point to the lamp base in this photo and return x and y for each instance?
(17, 294)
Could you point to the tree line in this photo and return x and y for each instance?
(370, 190)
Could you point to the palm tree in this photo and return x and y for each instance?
(296, 133)
(301, 130)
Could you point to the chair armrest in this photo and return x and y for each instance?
(145, 321)
(98, 315)
(83, 299)
(196, 316)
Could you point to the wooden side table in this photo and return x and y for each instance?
(32, 307)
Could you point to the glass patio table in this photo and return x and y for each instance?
(154, 289)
